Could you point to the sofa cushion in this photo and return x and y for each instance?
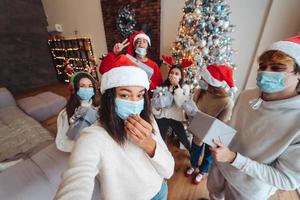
(38, 177)
(25, 181)
(6, 98)
(19, 133)
(55, 102)
(35, 108)
(42, 106)
(52, 162)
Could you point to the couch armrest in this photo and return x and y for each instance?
(6, 98)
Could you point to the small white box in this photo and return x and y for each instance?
(208, 128)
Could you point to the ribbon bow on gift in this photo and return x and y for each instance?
(160, 91)
(162, 98)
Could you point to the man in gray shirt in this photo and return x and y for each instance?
(265, 153)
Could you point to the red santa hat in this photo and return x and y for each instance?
(290, 46)
(123, 72)
(133, 37)
(219, 76)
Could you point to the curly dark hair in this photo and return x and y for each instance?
(74, 99)
(109, 119)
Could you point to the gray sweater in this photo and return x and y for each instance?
(268, 146)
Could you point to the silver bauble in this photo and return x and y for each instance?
(216, 41)
(202, 43)
(220, 23)
(205, 51)
(197, 11)
(226, 24)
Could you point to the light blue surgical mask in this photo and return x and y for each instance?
(125, 108)
(175, 76)
(141, 51)
(271, 82)
(85, 93)
(202, 85)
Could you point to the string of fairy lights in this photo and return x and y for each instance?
(71, 55)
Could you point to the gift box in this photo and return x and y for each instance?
(208, 128)
(162, 98)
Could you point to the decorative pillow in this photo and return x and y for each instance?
(6, 98)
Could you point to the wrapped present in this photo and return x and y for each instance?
(190, 108)
(162, 98)
(82, 118)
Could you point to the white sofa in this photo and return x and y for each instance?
(37, 177)
(19, 133)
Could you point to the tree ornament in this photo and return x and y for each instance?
(203, 36)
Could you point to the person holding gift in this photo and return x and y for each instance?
(81, 110)
(173, 116)
(264, 154)
(215, 99)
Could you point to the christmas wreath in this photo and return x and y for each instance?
(126, 21)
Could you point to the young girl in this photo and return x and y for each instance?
(125, 147)
(80, 111)
(214, 99)
(174, 116)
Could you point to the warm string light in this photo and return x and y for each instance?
(67, 65)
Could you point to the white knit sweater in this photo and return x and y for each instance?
(124, 172)
(268, 146)
(63, 143)
(181, 94)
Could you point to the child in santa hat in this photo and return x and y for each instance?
(125, 147)
(214, 98)
(264, 154)
(137, 46)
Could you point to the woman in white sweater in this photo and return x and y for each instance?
(174, 116)
(80, 111)
(264, 154)
(125, 148)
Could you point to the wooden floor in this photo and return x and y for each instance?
(180, 187)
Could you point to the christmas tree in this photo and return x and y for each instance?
(203, 36)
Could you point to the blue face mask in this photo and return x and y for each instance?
(85, 93)
(271, 82)
(175, 76)
(202, 85)
(125, 108)
(141, 51)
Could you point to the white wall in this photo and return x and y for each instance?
(246, 15)
(171, 14)
(83, 16)
(283, 21)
